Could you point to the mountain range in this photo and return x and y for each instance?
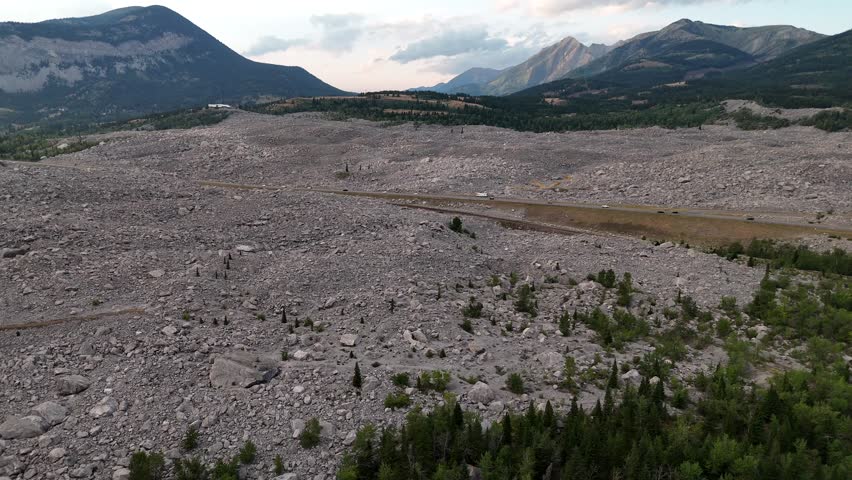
(681, 51)
(131, 61)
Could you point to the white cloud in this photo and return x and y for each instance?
(449, 43)
(269, 43)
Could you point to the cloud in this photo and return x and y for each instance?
(269, 43)
(450, 43)
(555, 7)
(339, 31)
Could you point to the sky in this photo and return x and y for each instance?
(391, 44)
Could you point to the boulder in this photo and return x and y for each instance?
(51, 412)
(243, 369)
(632, 377)
(22, 427)
(550, 360)
(13, 252)
(287, 476)
(348, 339)
(73, 384)
(107, 406)
(121, 474)
(481, 393)
(56, 454)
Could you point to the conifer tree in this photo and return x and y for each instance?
(356, 379)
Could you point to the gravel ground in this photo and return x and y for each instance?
(126, 225)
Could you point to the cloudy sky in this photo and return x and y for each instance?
(384, 44)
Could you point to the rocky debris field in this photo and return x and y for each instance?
(798, 169)
(159, 304)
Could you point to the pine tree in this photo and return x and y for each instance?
(549, 419)
(458, 416)
(507, 430)
(356, 379)
(613, 376)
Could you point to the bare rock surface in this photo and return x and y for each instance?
(168, 302)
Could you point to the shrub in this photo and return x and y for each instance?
(625, 290)
(310, 436)
(526, 302)
(278, 465)
(401, 379)
(190, 439)
(191, 469)
(248, 453)
(473, 309)
(689, 309)
(456, 225)
(723, 328)
(515, 383)
(606, 278)
(226, 471)
(147, 467)
(436, 380)
(467, 326)
(565, 326)
(397, 400)
(729, 306)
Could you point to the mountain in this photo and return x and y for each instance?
(688, 49)
(131, 61)
(549, 64)
(814, 75)
(470, 82)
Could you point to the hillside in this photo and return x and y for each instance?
(688, 49)
(813, 75)
(470, 81)
(551, 63)
(130, 61)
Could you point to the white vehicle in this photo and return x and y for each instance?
(481, 194)
(604, 206)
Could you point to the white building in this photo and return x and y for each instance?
(217, 105)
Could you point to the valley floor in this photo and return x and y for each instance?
(165, 291)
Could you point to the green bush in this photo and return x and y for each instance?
(526, 302)
(473, 309)
(436, 380)
(144, 466)
(515, 383)
(310, 436)
(606, 278)
(402, 379)
(190, 439)
(397, 400)
(248, 453)
(191, 469)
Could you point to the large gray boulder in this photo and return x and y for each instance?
(107, 406)
(242, 369)
(51, 412)
(22, 427)
(481, 393)
(73, 384)
(550, 360)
